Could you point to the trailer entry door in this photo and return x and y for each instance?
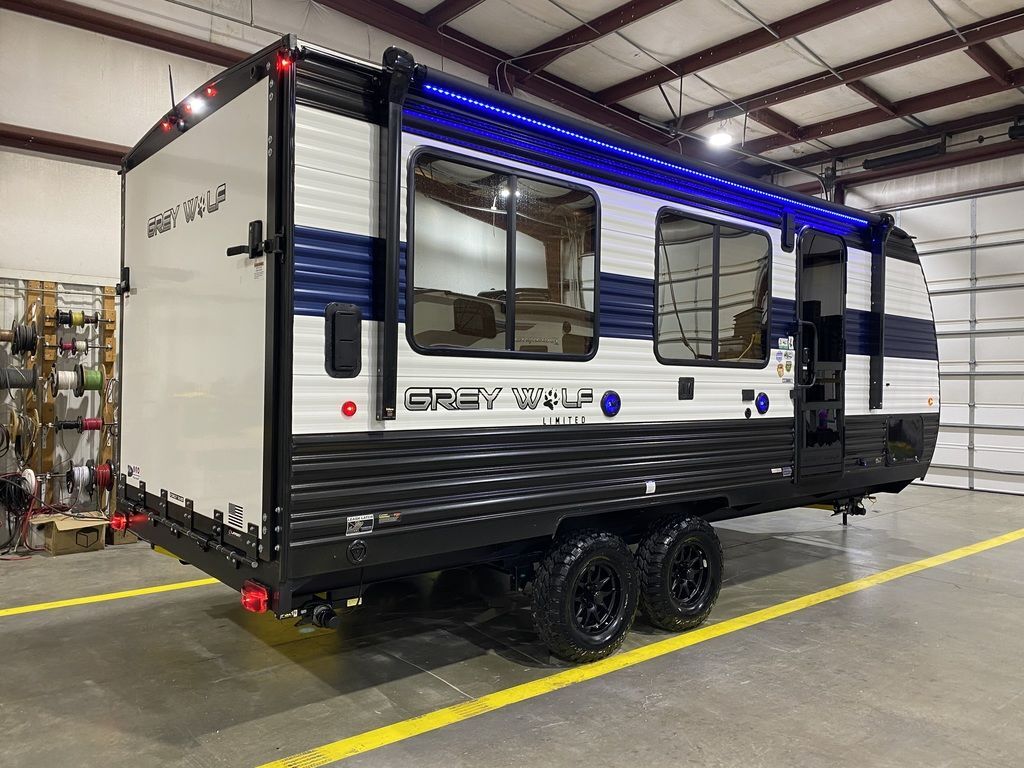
(194, 342)
(821, 307)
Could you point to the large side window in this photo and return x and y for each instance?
(713, 291)
(501, 262)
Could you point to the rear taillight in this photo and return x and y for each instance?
(119, 521)
(255, 597)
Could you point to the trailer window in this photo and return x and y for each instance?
(712, 292)
(477, 231)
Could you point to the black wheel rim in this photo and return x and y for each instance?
(691, 575)
(597, 598)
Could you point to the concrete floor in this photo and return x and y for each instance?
(924, 670)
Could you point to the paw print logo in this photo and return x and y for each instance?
(202, 206)
(550, 399)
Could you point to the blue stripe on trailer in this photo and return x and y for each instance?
(626, 306)
(338, 266)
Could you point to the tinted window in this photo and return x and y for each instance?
(463, 260)
(713, 291)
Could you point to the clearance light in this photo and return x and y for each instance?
(195, 106)
(166, 125)
(255, 597)
(210, 91)
(761, 403)
(611, 403)
(284, 62)
(349, 408)
(119, 521)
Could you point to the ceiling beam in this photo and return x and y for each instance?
(61, 145)
(784, 29)
(387, 15)
(986, 58)
(979, 154)
(945, 42)
(108, 24)
(943, 97)
(617, 18)
(399, 20)
(868, 93)
(907, 138)
(926, 101)
(447, 11)
(777, 123)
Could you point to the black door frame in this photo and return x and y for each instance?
(800, 391)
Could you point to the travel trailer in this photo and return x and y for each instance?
(380, 321)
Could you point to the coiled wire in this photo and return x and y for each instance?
(18, 378)
(79, 478)
(62, 380)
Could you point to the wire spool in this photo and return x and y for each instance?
(80, 478)
(63, 380)
(89, 379)
(23, 337)
(18, 378)
(82, 424)
(23, 429)
(75, 318)
(72, 346)
(103, 476)
(5, 440)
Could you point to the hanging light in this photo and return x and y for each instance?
(720, 138)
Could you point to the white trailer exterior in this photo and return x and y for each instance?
(461, 327)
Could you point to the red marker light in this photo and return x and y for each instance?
(349, 408)
(210, 91)
(121, 522)
(166, 126)
(187, 106)
(255, 597)
(283, 62)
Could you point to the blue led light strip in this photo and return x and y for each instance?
(494, 108)
(620, 168)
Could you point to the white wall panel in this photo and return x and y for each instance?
(61, 220)
(68, 80)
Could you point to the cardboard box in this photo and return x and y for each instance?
(120, 537)
(65, 535)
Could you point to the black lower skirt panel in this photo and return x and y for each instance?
(448, 496)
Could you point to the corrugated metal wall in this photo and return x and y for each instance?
(972, 250)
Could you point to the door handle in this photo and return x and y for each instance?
(812, 358)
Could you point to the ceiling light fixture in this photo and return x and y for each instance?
(719, 139)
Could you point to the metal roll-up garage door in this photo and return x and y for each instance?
(972, 251)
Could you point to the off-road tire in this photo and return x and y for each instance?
(655, 561)
(561, 577)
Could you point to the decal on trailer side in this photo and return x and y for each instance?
(198, 205)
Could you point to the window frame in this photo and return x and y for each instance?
(472, 161)
(715, 276)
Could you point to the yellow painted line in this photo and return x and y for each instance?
(406, 729)
(105, 597)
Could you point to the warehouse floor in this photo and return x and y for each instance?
(923, 669)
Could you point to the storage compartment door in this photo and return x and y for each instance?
(194, 414)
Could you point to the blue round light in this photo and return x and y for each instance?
(761, 403)
(610, 403)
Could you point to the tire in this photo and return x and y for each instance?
(576, 616)
(673, 596)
